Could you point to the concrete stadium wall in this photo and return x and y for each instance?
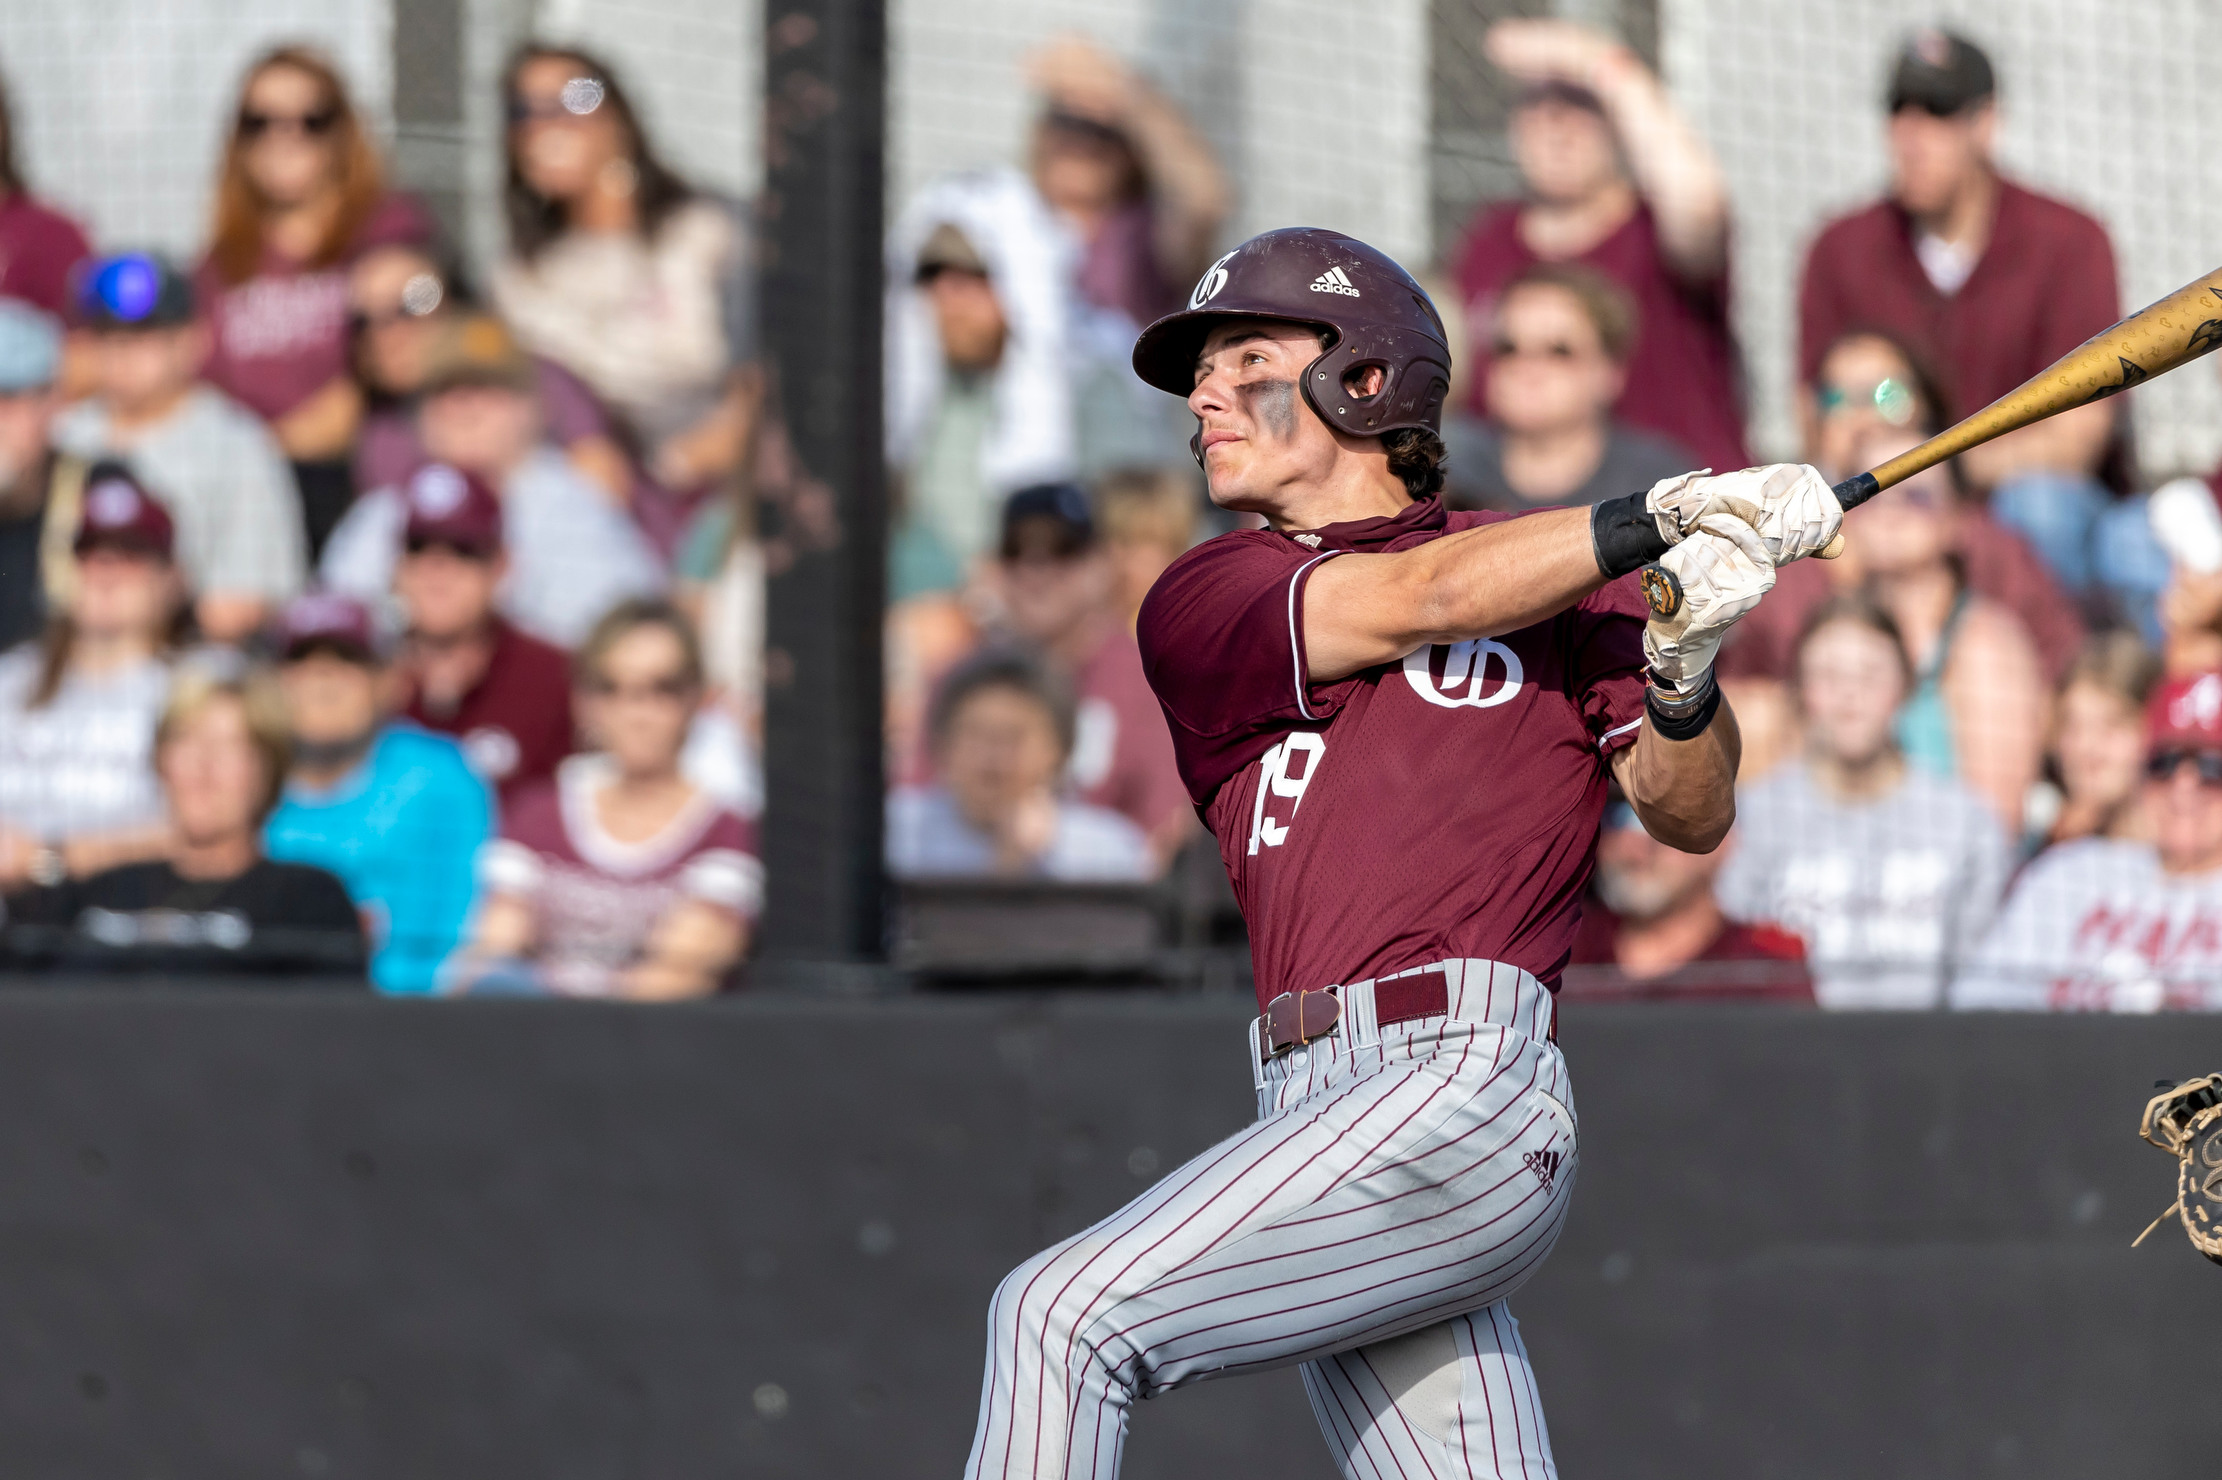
(341, 1237)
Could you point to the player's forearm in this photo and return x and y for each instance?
(1684, 790)
(1364, 610)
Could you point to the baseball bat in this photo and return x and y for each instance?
(2153, 341)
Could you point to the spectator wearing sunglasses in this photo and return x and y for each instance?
(630, 278)
(1990, 282)
(1870, 386)
(2116, 925)
(1558, 363)
(210, 461)
(396, 813)
(573, 555)
(1614, 177)
(621, 878)
(503, 694)
(40, 248)
(300, 194)
(402, 298)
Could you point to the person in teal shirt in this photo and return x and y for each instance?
(395, 811)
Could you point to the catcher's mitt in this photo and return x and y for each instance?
(2185, 1120)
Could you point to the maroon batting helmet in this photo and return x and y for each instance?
(1375, 312)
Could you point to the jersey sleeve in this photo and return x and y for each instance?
(1608, 664)
(1222, 640)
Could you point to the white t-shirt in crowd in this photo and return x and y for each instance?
(2096, 926)
(572, 554)
(928, 838)
(1887, 894)
(219, 473)
(83, 762)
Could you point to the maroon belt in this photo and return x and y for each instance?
(1294, 1019)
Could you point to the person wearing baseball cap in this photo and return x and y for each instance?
(210, 461)
(2120, 925)
(1059, 590)
(504, 694)
(396, 812)
(1613, 178)
(573, 553)
(1986, 282)
(39, 487)
(77, 790)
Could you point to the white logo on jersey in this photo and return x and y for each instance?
(1335, 280)
(1274, 780)
(1465, 665)
(1214, 278)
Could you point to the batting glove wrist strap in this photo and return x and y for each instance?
(1625, 535)
(1679, 716)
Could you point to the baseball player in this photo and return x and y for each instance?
(1399, 722)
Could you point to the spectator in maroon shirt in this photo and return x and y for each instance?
(1130, 174)
(1558, 361)
(1990, 283)
(39, 246)
(301, 193)
(1616, 178)
(1652, 924)
(505, 695)
(620, 878)
(1060, 594)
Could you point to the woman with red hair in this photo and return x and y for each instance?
(301, 194)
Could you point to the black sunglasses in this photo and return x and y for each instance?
(2165, 763)
(316, 125)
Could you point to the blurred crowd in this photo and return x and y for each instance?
(362, 613)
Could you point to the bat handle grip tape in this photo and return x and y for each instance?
(1856, 490)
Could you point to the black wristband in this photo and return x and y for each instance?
(1624, 535)
(1686, 719)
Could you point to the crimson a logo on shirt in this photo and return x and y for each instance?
(1479, 673)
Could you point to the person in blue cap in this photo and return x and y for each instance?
(209, 459)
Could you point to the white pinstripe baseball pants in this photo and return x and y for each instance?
(1395, 1189)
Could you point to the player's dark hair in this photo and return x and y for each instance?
(1001, 668)
(1419, 457)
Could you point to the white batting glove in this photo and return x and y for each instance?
(1790, 504)
(1723, 570)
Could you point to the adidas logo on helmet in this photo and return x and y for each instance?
(1335, 280)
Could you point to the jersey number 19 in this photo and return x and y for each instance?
(1285, 771)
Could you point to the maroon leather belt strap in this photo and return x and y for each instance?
(1294, 1019)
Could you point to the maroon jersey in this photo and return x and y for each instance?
(1442, 806)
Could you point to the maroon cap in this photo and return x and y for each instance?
(448, 506)
(1376, 312)
(2186, 713)
(326, 619)
(121, 514)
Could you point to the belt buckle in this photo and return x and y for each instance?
(1294, 1019)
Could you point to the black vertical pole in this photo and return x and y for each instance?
(824, 92)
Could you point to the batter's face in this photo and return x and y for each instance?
(1261, 440)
